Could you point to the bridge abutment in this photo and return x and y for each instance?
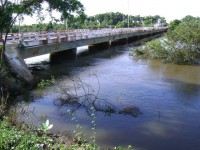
(17, 63)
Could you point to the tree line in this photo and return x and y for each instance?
(105, 20)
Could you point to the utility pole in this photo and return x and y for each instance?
(128, 13)
(66, 24)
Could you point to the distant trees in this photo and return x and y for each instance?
(120, 20)
(105, 20)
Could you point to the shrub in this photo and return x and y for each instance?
(181, 45)
(153, 49)
(156, 50)
(45, 83)
(138, 51)
(12, 138)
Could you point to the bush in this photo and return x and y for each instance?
(181, 56)
(156, 50)
(153, 49)
(181, 45)
(138, 51)
(12, 138)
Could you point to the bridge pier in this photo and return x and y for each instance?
(67, 54)
(17, 63)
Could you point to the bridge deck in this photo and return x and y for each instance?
(36, 39)
(29, 45)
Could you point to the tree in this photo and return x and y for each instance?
(10, 10)
(173, 24)
(187, 33)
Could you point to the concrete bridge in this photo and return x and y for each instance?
(20, 47)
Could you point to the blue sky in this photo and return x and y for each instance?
(170, 9)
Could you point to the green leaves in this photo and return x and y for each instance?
(46, 126)
(181, 45)
(13, 138)
(46, 83)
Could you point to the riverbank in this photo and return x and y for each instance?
(18, 135)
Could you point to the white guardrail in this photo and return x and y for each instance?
(34, 38)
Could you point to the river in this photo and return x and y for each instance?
(157, 105)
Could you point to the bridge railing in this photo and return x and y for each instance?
(34, 39)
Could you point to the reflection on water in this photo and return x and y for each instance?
(166, 94)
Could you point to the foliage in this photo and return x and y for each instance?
(180, 46)
(173, 24)
(187, 33)
(105, 20)
(45, 126)
(122, 148)
(3, 102)
(12, 138)
(153, 49)
(80, 136)
(138, 51)
(185, 41)
(46, 83)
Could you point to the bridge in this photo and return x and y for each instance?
(20, 47)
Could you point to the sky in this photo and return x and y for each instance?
(169, 9)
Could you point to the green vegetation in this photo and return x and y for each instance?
(105, 20)
(45, 83)
(13, 138)
(45, 126)
(180, 45)
(22, 137)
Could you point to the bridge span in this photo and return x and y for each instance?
(20, 47)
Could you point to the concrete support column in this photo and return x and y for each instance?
(58, 38)
(48, 39)
(68, 36)
(17, 63)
